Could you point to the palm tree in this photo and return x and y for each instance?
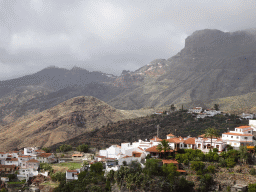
(163, 146)
(211, 132)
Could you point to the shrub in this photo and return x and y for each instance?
(59, 176)
(230, 162)
(216, 157)
(211, 169)
(198, 166)
(252, 187)
(97, 168)
(223, 162)
(83, 148)
(65, 147)
(253, 171)
(186, 162)
(124, 163)
(215, 150)
(46, 149)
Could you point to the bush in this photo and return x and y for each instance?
(211, 169)
(11, 176)
(124, 163)
(46, 149)
(230, 162)
(253, 171)
(97, 168)
(223, 162)
(198, 166)
(186, 162)
(252, 187)
(83, 148)
(59, 176)
(65, 147)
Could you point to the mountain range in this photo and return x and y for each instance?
(213, 67)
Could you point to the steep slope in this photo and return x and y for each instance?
(57, 124)
(212, 65)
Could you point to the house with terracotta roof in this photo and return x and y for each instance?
(241, 136)
(158, 154)
(46, 158)
(8, 169)
(77, 157)
(204, 144)
(11, 161)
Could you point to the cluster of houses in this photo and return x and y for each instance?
(137, 151)
(24, 163)
(202, 114)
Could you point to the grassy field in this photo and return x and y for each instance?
(52, 184)
(62, 167)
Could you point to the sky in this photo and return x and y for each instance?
(107, 35)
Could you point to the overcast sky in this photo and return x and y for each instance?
(107, 35)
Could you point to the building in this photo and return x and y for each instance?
(72, 174)
(195, 110)
(241, 136)
(205, 144)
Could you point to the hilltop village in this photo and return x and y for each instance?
(232, 149)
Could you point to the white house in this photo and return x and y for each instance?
(252, 124)
(241, 136)
(11, 161)
(246, 116)
(111, 152)
(195, 110)
(72, 174)
(204, 144)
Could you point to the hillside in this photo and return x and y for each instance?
(212, 65)
(60, 123)
(131, 130)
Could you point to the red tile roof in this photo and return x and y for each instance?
(11, 159)
(243, 127)
(175, 140)
(154, 150)
(72, 171)
(44, 154)
(170, 135)
(32, 161)
(239, 134)
(190, 140)
(77, 155)
(168, 161)
(156, 139)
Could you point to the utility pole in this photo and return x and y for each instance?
(157, 130)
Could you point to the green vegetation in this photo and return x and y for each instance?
(252, 187)
(83, 148)
(46, 149)
(69, 165)
(65, 148)
(163, 146)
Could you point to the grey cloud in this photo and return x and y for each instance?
(107, 35)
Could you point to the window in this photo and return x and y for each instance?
(217, 146)
(199, 145)
(180, 145)
(189, 145)
(249, 131)
(185, 145)
(234, 143)
(231, 136)
(245, 137)
(237, 137)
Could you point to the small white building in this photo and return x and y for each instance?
(246, 116)
(11, 161)
(204, 144)
(195, 110)
(72, 174)
(111, 152)
(241, 136)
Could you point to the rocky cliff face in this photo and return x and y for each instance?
(213, 64)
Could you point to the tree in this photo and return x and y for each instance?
(163, 146)
(97, 168)
(47, 150)
(83, 148)
(172, 107)
(216, 107)
(211, 132)
(65, 147)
